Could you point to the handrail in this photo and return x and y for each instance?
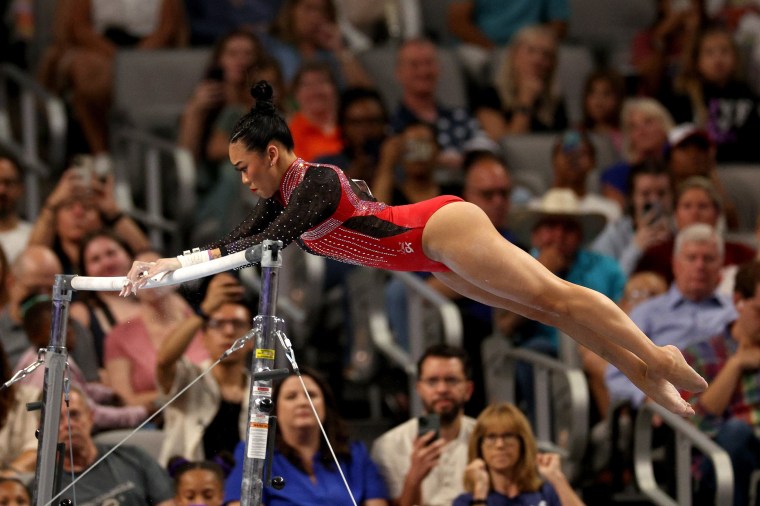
(687, 437)
(578, 394)
(420, 295)
(139, 150)
(26, 149)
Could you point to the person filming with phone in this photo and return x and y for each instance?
(423, 459)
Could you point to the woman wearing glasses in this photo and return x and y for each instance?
(505, 467)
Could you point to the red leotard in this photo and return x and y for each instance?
(328, 215)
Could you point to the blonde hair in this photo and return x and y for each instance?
(649, 107)
(525, 475)
(505, 80)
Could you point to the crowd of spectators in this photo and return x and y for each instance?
(631, 204)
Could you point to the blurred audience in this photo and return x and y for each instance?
(14, 231)
(88, 34)
(33, 273)
(107, 411)
(415, 152)
(659, 52)
(573, 161)
(199, 482)
(210, 20)
(728, 410)
(131, 476)
(717, 99)
(645, 126)
(306, 30)
(505, 466)
(131, 347)
(18, 444)
(13, 492)
(690, 153)
(603, 96)
(211, 417)
(697, 202)
(425, 467)
(648, 218)
(525, 96)
(418, 71)
(103, 253)
(481, 26)
(367, 23)
(303, 457)
(314, 125)
(363, 123)
(691, 310)
(80, 203)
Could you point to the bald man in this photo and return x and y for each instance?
(32, 273)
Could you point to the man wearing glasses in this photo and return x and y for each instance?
(212, 415)
(426, 469)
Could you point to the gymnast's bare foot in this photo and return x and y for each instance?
(674, 369)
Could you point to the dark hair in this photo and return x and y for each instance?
(221, 43)
(747, 278)
(357, 94)
(316, 66)
(648, 166)
(478, 155)
(4, 479)
(263, 124)
(220, 466)
(616, 82)
(335, 427)
(96, 234)
(36, 313)
(574, 135)
(446, 351)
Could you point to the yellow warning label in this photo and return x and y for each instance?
(267, 354)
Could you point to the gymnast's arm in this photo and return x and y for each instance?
(312, 202)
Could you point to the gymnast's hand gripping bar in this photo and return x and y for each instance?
(181, 275)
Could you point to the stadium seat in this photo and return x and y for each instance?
(151, 87)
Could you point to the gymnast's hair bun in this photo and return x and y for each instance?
(262, 93)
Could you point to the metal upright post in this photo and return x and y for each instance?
(55, 366)
(261, 403)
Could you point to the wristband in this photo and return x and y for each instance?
(194, 257)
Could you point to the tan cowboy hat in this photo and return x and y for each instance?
(556, 203)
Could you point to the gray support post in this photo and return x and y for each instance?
(55, 366)
(261, 404)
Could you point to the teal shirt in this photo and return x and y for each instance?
(499, 20)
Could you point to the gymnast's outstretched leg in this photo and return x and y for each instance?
(490, 269)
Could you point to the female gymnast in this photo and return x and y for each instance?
(329, 215)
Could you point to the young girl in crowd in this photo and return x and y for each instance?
(199, 483)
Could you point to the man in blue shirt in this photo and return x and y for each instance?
(690, 311)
